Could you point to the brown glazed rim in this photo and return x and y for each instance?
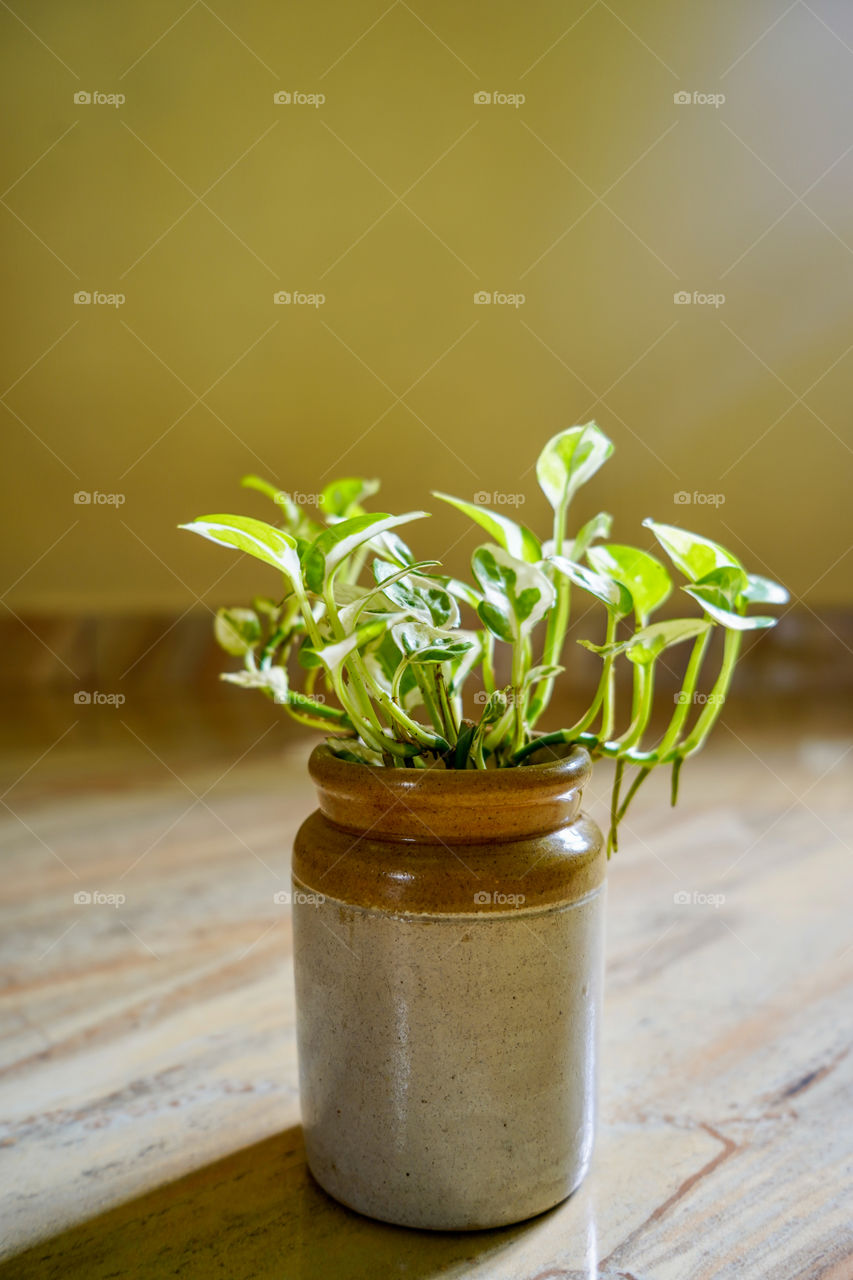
(465, 806)
(443, 843)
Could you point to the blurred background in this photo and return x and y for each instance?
(258, 237)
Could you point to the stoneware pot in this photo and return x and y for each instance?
(448, 945)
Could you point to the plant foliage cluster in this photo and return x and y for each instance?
(386, 644)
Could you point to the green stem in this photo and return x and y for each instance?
(613, 833)
(450, 723)
(685, 696)
(426, 688)
(607, 708)
(362, 683)
(644, 682)
(558, 622)
(416, 731)
(555, 635)
(632, 791)
(517, 680)
(488, 643)
(500, 730)
(716, 697)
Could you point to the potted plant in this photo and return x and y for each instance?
(448, 892)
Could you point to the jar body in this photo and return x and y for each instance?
(447, 1039)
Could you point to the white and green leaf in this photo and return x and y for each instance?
(422, 642)
(692, 555)
(568, 460)
(516, 594)
(334, 544)
(343, 498)
(515, 538)
(237, 631)
(606, 589)
(640, 573)
(255, 537)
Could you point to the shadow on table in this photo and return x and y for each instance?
(257, 1213)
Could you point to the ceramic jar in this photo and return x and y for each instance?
(448, 949)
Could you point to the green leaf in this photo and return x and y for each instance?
(727, 580)
(764, 591)
(393, 546)
(426, 643)
(340, 540)
(343, 498)
(273, 680)
(645, 645)
(609, 591)
(548, 671)
(597, 527)
(333, 656)
(288, 508)
(512, 537)
(497, 621)
(384, 659)
(459, 590)
(569, 459)
(255, 537)
(722, 594)
(423, 597)
(237, 631)
(356, 599)
(642, 575)
(516, 594)
(693, 555)
(460, 668)
(355, 752)
(715, 603)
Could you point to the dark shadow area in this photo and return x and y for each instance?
(254, 1214)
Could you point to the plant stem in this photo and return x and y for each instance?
(613, 833)
(716, 698)
(517, 680)
(488, 643)
(632, 791)
(450, 723)
(558, 622)
(685, 697)
(642, 704)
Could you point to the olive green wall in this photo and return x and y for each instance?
(398, 198)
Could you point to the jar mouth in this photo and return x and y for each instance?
(453, 805)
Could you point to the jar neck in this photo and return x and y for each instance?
(450, 806)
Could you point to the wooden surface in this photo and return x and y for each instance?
(149, 1106)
